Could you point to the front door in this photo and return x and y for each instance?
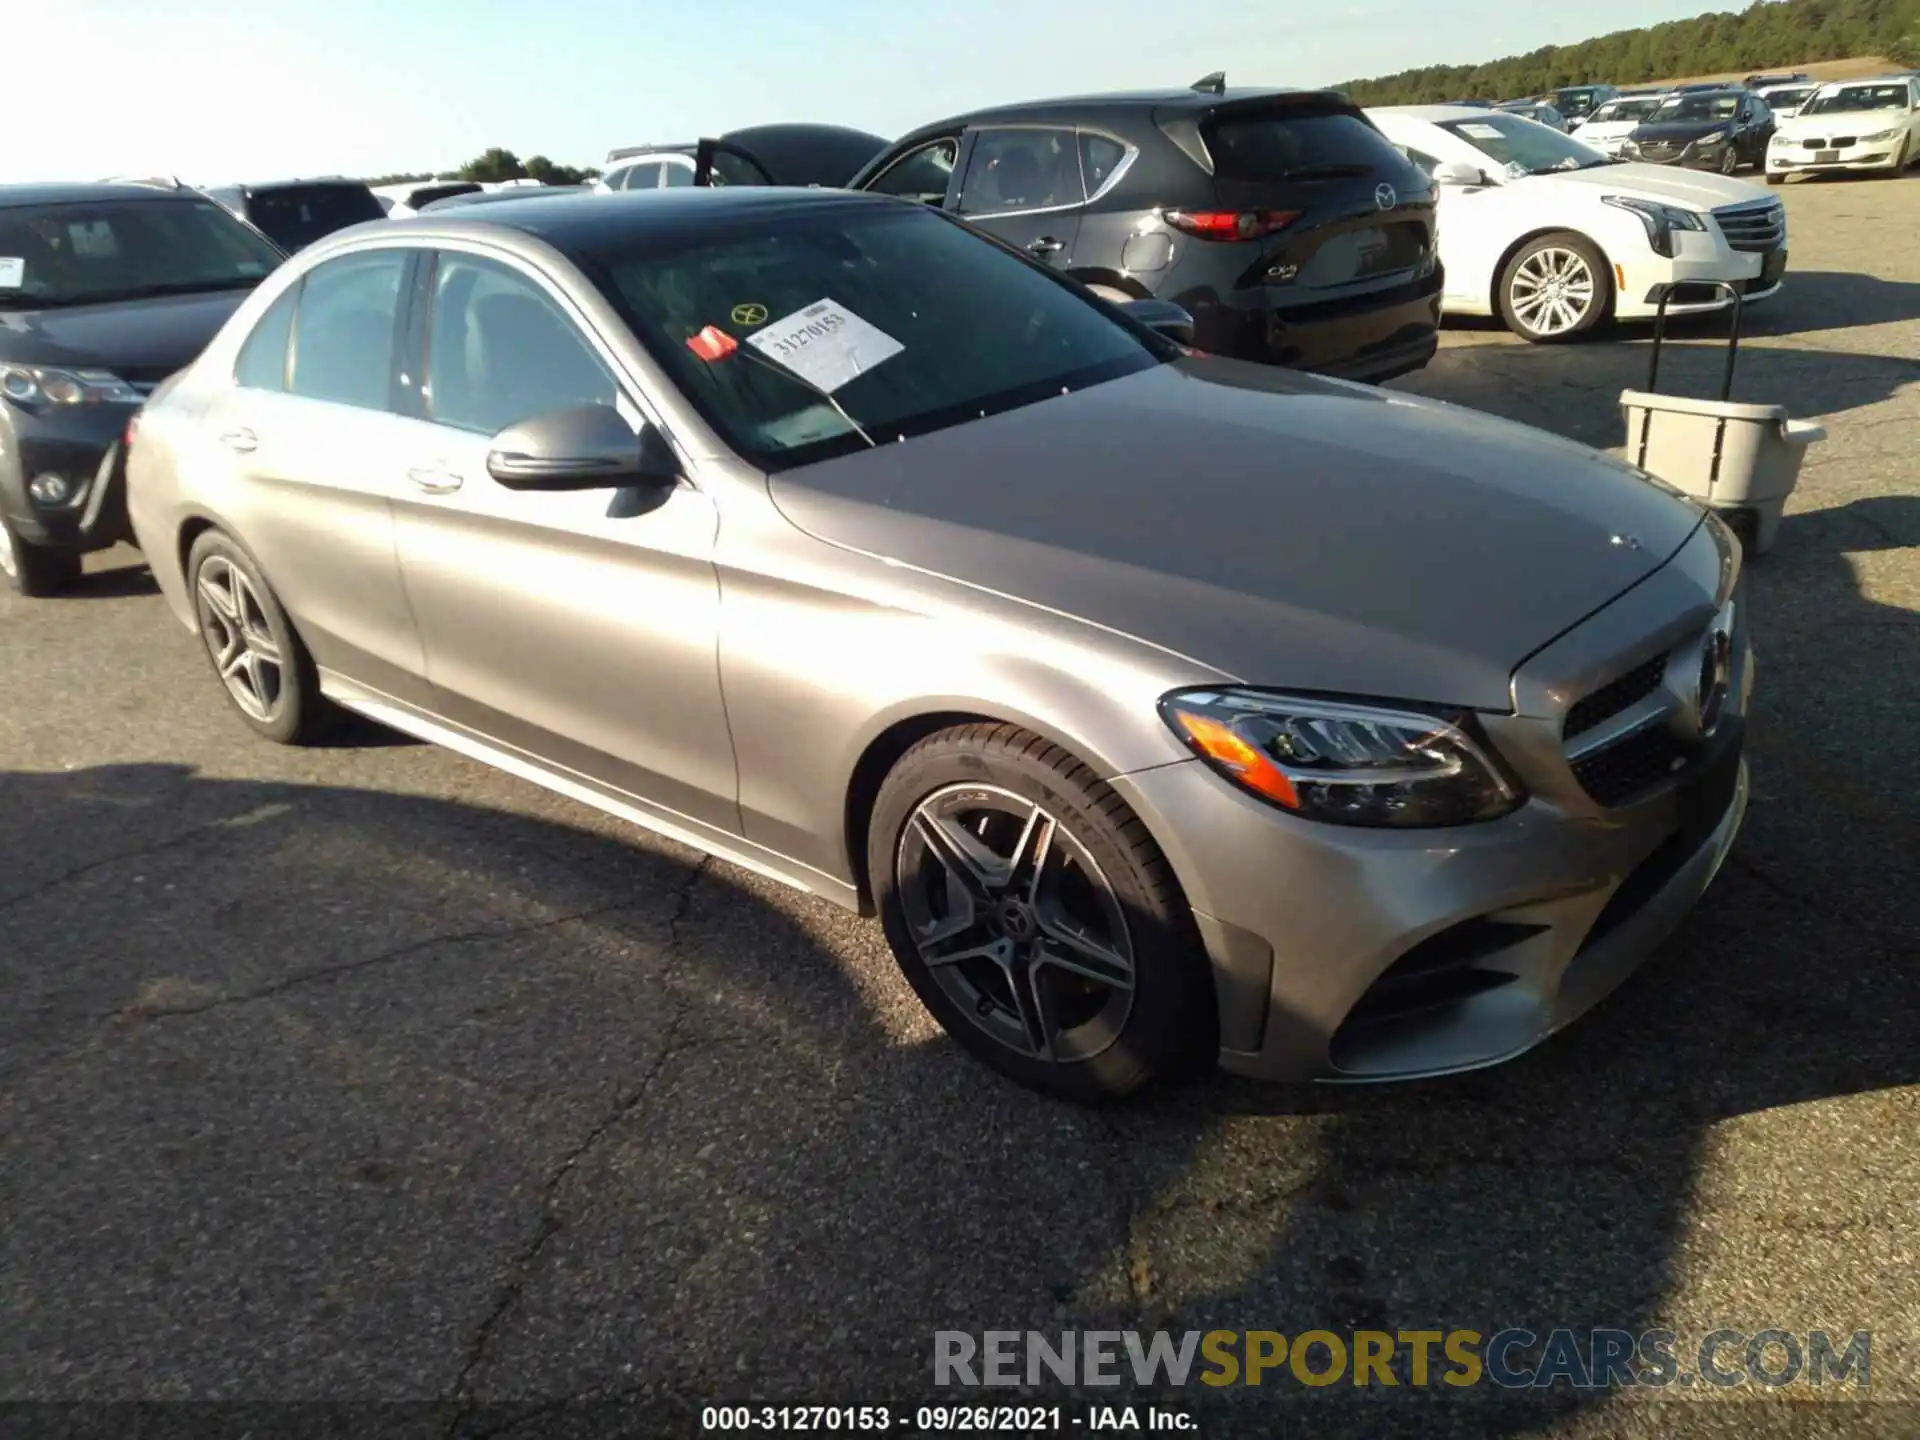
(1023, 185)
(575, 627)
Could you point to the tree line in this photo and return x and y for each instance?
(495, 164)
(1767, 35)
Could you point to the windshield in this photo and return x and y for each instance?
(1789, 98)
(810, 334)
(86, 253)
(296, 216)
(1711, 105)
(1858, 97)
(1629, 111)
(1523, 147)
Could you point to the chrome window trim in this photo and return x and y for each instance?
(1106, 186)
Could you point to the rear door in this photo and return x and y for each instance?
(1352, 214)
(1023, 185)
(318, 450)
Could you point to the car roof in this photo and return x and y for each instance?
(1895, 78)
(63, 193)
(1097, 106)
(582, 220)
(1437, 114)
(254, 187)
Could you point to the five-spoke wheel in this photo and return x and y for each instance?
(1034, 915)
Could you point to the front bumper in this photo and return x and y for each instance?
(1800, 158)
(1699, 257)
(84, 444)
(1694, 156)
(1364, 955)
(1370, 337)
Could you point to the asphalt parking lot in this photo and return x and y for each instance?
(365, 1073)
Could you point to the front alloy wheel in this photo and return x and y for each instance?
(1016, 922)
(1035, 917)
(1555, 288)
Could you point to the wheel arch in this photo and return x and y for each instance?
(1540, 232)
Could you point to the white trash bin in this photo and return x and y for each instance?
(1742, 460)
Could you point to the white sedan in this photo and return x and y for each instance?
(1555, 237)
(1850, 125)
(1608, 126)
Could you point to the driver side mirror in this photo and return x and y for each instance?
(1164, 318)
(583, 447)
(1458, 172)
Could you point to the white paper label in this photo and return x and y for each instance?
(13, 272)
(825, 344)
(1480, 131)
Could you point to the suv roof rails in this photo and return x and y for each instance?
(156, 182)
(1214, 84)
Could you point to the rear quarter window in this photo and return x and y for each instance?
(1270, 147)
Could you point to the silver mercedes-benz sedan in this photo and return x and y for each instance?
(1162, 708)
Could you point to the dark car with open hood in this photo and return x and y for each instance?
(105, 290)
(1281, 220)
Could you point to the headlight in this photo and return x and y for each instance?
(1880, 135)
(1661, 220)
(1707, 142)
(30, 384)
(1341, 763)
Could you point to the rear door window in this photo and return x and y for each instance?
(1276, 147)
(641, 177)
(1022, 169)
(344, 336)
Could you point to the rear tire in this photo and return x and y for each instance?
(1556, 287)
(1035, 917)
(266, 671)
(33, 570)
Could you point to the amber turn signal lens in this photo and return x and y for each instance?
(1220, 744)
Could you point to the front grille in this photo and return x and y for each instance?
(1643, 760)
(1613, 697)
(1654, 150)
(1755, 225)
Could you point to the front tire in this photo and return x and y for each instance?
(1035, 917)
(1730, 162)
(33, 570)
(268, 675)
(1555, 288)
(1776, 177)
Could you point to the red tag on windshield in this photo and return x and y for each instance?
(712, 344)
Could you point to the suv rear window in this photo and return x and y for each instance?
(294, 216)
(1273, 147)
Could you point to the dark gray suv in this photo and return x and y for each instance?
(1281, 220)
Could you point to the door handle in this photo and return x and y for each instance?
(241, 439)
(434, 479)
(1046, 245)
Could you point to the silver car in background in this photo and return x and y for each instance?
(1164, 708)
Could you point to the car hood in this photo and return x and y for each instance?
(1843, 122)
(1679, 130)
(1277, 528)
(1692, 189)
(139, 340)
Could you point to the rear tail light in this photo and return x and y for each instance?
(133, 427)
(1229, 224)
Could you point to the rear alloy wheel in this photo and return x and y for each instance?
(33, 570)
(1554, 288)
(1036, 918)
(267, 672)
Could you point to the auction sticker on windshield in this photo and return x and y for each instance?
(825, 344)
(13, 272)
(1481, 132)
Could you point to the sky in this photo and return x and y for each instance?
(224, 90)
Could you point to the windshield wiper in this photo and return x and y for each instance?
(181, 287)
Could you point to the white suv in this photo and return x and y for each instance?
(646, 167)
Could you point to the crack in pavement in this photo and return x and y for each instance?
(66, 877)
(520, 1267)
(143, 1013)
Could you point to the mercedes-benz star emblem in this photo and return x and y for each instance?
(1714, 681)
(1385, 196)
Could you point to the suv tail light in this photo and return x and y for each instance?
(1229, 224)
